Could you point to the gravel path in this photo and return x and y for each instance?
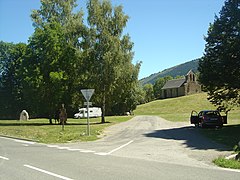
(157, 139)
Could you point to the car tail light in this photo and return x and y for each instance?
(205, 118)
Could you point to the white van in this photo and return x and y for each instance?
(93, 112)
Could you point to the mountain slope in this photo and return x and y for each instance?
(179, 70)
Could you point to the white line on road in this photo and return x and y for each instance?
(1, 157)
(114, 150)
(52, 146)
(101, 153)
(120, 147)
(47, 172)
(70, 149)
(87, 151)
(25, 142)
(62, 147)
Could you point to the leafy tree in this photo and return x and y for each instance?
(148, 88)
(110, 70)
(157, 87)
(53, 69)
(220, 66)
(11, 56)
(126, 95)
(63, 56)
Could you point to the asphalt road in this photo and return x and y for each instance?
(142, 148)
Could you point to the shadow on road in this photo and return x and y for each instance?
(190, 136)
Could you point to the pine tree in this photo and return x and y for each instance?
(220, 66)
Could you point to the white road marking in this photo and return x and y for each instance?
(87, 151)
(1, 157)
(232, 170)
(62, 147)
(47, 172)
(120, 147)
(114, 150)
(52, 146)
(24, 142)
(3, 137)
(101, 153)
(75, 149)
(70, 149)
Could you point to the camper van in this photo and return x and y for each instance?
(93, 112)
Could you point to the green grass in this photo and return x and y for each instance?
(41, 131)
(229, 135)
(179, 109)
(227, 163)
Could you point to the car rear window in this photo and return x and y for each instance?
(212, 113)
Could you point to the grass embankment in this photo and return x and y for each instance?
(41, 131)
(179, 109)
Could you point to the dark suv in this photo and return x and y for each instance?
(208, 118)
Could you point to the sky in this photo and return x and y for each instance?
(165, 33)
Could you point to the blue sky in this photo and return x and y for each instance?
(165, 33)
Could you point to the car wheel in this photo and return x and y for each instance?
(196, 125)
(202, 125)
(219, 127)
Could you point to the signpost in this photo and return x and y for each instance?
(87, 93)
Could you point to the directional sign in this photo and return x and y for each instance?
(87, 104)
(87, 93)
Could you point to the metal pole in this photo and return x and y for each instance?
(88, 124)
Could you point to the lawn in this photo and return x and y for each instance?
(41, 131)
(179, 109)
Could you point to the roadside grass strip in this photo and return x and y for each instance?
(47, 172)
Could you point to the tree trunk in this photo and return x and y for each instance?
(103, 107)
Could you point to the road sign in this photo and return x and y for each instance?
(87, 103)
(87, 93)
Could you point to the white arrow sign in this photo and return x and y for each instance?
(87, 93)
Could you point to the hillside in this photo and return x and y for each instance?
(180, 70)
(180, 108)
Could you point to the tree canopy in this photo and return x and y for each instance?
(220, 66)
(66, 54)
(110, 55)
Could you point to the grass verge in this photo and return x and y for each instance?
(228, 135)
(227, 163)
(179, 109)
(41, 131)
